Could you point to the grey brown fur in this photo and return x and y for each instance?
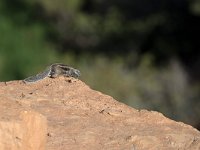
(54, 71)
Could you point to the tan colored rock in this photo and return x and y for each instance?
(34, 126)
(27, 131)
(81, 118)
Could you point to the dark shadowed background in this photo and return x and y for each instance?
(145, 53)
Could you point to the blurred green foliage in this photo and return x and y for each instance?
(145, 54)
(22, 47)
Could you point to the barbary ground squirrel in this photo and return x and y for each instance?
(53, 71)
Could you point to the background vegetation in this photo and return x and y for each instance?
(143, 53)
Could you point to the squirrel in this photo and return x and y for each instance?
(53, 71)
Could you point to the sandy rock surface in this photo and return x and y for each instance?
(64, 113)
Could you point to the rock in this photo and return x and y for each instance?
(27, 131)
(81, 118)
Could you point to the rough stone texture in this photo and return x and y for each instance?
(81, 118)
(26, 130)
